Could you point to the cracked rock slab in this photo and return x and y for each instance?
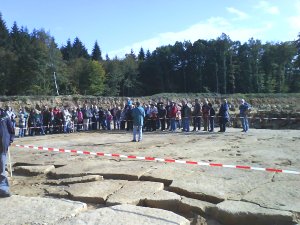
(57, 191)
(281, 195)
(189, 204)
(215, 185)
(134, 192)
(127, 215)
(34, 170)
(109, 169)
(163, 200)
(238, 212)
(94, 192)
(35, 210)
(74, 180)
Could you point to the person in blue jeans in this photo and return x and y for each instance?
(138, 115)
(244, 108)
(7, 133)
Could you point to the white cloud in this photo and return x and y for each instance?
(209, 29)
(267, 8)
(294, 21)
(240, 15)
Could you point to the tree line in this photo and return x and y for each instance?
(28, 62)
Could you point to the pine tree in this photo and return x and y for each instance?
(141, 55)
(79, 50)
(4, 33)
(96, 53)
(67, 51)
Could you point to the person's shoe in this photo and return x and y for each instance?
(133, 141)
(4, 194)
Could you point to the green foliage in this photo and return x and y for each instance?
(114, 77)
(96, 78)
(28, 62)
(96, 53)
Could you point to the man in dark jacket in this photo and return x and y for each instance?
(223, 115)
(6, 138)
(197, 115)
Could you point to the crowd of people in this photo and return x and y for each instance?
(160, 115)
(132, 116)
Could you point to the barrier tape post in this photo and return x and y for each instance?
(243, 167)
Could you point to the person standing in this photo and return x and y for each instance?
(244, 108)
(186, 115)
(212, 114)
(162, 113)
(172, 116)
(87, 114)
(205, 114)
(197, 116)
(11, 114)
(153, 116)
(224, 115)
(21, 124)
(7, 134)
(138, 115)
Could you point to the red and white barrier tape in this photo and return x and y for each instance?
(61, 150)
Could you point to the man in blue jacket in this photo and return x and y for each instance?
(244, 108)
(6, 138)
(138, 115)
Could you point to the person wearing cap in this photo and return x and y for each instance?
(224, 115)
(138, 115)
(244, 108)
(7, 133)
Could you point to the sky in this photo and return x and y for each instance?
(119, 25)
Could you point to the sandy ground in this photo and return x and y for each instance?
(260, 148)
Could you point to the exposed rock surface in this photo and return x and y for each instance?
(36, 210)
(267, 196)
(238, 212)
(125, 170)
(127, 215)
(134, 192)
(33, 170)
(94, 192)
(189, 204)
(217, 194)
(74, 180)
